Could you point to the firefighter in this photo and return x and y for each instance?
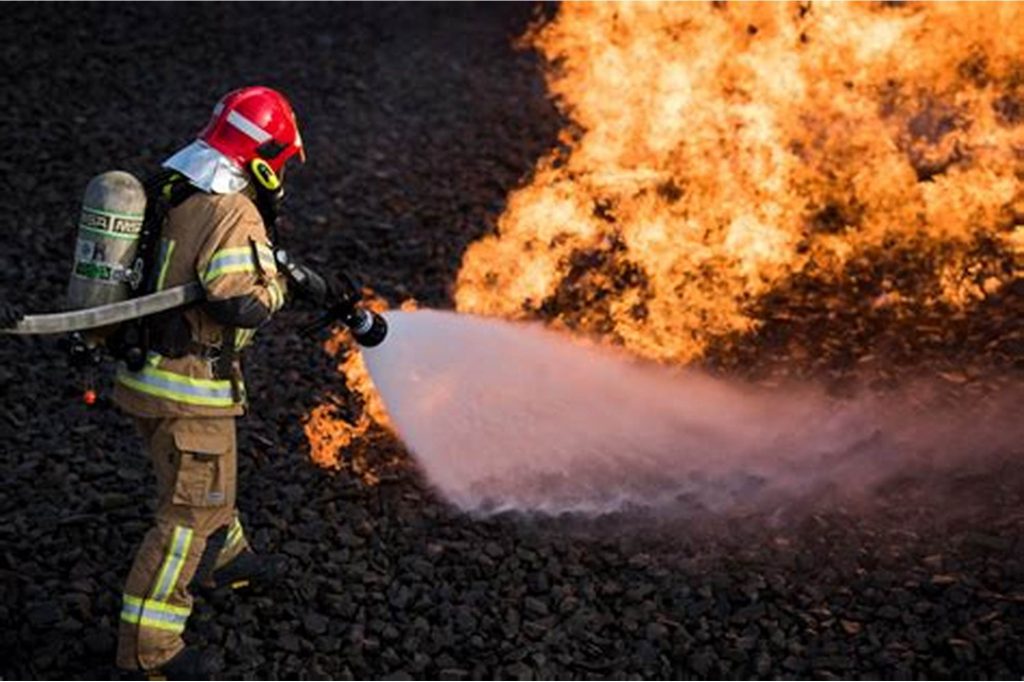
(187, 395)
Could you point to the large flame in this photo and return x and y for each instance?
(718, 149)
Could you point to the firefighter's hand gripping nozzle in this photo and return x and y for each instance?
(340, 303)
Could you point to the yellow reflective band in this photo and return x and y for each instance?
(276, 296)
(154, 614)
(162, 616)
(158, 624)
(131, 608)
(230, 261)
(243, 337)
(166, 249)
(235, 534)
(267, 260)
(169, 186)
(174, 561)
(150, 606)
(178, 388)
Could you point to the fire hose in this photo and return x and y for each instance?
(109, 314)
(339, 303)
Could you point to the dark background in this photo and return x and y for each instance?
(418, 119)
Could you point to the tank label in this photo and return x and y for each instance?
(101, 271)
(117, 225)
(93, 262)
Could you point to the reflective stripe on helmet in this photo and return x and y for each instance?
(251, 118)
(248, 127)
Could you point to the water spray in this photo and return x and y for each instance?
(504, 415)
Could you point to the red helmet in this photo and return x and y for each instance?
(254, 122)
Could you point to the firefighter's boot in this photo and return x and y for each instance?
(190, 663)
(250, 570)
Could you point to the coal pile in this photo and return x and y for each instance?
(419, 120)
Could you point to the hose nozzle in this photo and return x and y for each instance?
(368, 328)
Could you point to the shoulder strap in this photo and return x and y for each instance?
(164, 190)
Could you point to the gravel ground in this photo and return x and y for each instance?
(419, 119)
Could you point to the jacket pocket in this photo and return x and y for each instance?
(201, 479)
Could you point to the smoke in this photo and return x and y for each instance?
(504, 415)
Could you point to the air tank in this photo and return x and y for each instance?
(109, 228)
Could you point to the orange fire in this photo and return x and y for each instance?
(327, 431)
(716, 150)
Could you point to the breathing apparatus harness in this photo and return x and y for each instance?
(130, 341)
(164, 192)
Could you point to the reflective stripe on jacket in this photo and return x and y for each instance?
(164, 384)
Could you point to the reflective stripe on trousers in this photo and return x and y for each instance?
(235, 535)
(153, 614)
(154, 611)
(174, 560)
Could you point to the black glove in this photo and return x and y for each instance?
(368, 328)
(304, 281)
(10, 315)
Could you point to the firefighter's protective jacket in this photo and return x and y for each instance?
(221, 241)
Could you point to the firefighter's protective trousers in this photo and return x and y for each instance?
(195, 464)
(184, 402)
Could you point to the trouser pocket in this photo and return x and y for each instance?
(204, 472)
